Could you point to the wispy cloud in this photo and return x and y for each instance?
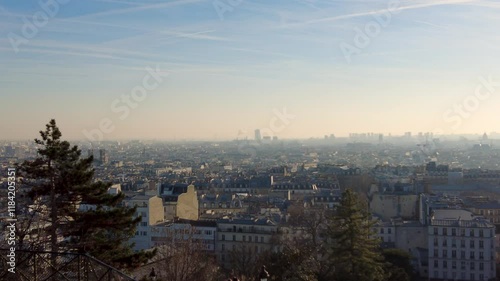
(431, 24)
(380, 11)
(140, 8)
(122, 2)
(196, 35)
(256, 51)
(94, 50)
(61, 52)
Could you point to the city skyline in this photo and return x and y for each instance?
(220, 70)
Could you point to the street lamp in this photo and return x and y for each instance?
(152, 275)
(263, 274)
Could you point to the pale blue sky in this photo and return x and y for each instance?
(228, 74)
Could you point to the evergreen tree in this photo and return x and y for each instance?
(352, 246)
(61, 180)
(398, 266)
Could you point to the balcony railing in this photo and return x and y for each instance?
(247, 230)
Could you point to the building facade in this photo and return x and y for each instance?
(244, 237)
(461, 249)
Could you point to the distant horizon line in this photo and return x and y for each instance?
(341, 137)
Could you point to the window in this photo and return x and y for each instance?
(445, 253)
(481, 255)
(436, 263)
(472, 265)
(462, 243)
(144, 223)
(445, 231)
(435, 241)
(234, 237)
(454, 264)
(249, 238)
(389, 230)
(445, 264)
(472, 243)
(481, 266)
(453, 232)
(262, 239)
(462, 232)
(480, 233)
(244, 238)
(435, 253)
(223, 237)
(445, 242)
(481, 244)
(481, 276)
(454, 254)
(462, 254)
(472, 277)
(454, 243)
(472, 255)
(462, 265)
(471, 233)
(222, 247)
(435, 231)
(381, 230)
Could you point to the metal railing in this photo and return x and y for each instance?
(51, 266)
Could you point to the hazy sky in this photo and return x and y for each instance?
(337, 66)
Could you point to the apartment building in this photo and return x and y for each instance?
(150, 208)
(244, 236)
(201, 232)
(461, 246)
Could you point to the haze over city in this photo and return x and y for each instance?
(214, 70)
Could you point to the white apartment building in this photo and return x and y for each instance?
(150, 208)
(386, 231)
(461, 246)
(245, 236)
(202, 232)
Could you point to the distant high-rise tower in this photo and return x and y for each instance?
(103, 155)
(258, 137)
